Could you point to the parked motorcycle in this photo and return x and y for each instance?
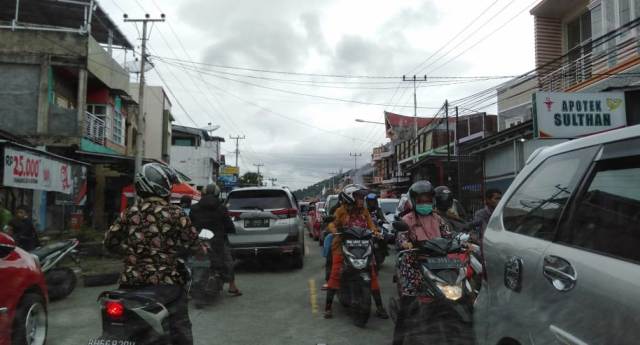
(441, 313)
(206, 284)
(61, 281)
(355, 279)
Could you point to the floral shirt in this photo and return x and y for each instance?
(152, 236)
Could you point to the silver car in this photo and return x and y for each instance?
(562, 248)
(268, 222)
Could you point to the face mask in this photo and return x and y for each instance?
(424, 209)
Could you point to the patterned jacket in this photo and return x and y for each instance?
(152, 236)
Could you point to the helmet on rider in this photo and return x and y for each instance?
(443, 198)
(155, 179)
(372, 201)
(352, 192)
(211, 189)
(421, 196)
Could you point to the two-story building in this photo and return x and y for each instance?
(63, 91)
(196, 153)
(581, 46)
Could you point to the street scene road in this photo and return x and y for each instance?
(279, 306)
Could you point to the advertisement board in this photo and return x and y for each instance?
(30, 170)
(574, 114)
(229, 170)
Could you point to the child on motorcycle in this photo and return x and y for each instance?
(352, 213)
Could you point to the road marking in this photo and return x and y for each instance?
(313, 296)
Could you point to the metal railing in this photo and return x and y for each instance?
(95, 128)
(591, 60)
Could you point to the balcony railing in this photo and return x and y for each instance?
(94, 128)
(592, 59)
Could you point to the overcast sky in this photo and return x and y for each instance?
(298, 138)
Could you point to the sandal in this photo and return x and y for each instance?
(328, 314)
(324, 287)
(235, 293)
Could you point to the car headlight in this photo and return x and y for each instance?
(452, 292)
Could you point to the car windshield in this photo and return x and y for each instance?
(187, 172)
(258, 200)
(389, 206)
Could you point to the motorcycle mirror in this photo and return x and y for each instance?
(206, 234)
(401, 226)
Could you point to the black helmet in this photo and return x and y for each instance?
(154, 179)
(211, 188)
(443, 198)
(420, 187)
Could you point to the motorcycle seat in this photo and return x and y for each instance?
(163, 294)
(44, 251)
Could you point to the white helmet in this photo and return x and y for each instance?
(352, 192)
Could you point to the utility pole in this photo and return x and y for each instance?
(446, 117)
(355, 159)
(259, 177)
(237, 139)
(333, 174)
(458, 156)
(273, 181)
(141, 114)
(415, 107)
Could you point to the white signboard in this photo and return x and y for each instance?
(572, 115)
(30, 170)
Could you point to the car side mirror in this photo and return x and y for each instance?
(7, 245)
(401, 226)
(206, 234)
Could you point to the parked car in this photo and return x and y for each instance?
(404, 204)
(267, 222)
(23, 296)
(561, 249)
(332, 200)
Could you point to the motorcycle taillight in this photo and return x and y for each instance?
(114, 309)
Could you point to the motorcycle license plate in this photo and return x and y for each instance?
(442, 263)
(110, 342)
(356, 243)
(256, 223)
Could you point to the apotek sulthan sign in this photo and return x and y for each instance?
(572, 115)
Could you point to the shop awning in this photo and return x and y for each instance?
(31, 168)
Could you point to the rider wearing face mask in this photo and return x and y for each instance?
(424, 224)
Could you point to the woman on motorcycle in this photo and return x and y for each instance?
(352, 213)
(424, 225)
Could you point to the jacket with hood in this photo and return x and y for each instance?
(211, 214)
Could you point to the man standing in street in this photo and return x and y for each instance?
(22, 229)
(210, 213)
(481, 218)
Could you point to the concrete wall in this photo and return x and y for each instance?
(105, 68)
(19, 98)
(154, 128)
(42, 42)
(63, 122)
(196, 162)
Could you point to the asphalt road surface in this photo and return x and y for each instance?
(280, 306)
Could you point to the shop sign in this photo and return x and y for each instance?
(576, 114)
(230, 170)
(30, 170)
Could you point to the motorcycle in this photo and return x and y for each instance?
(140, 316)
(61, 281)
(205, 284)
(355, 280)
(441, 313)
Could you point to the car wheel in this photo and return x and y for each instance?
(30, 322)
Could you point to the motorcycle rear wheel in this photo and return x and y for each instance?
(60, 282)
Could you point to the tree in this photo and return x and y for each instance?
(250, 179)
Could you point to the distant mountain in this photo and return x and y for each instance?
(315, 190)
